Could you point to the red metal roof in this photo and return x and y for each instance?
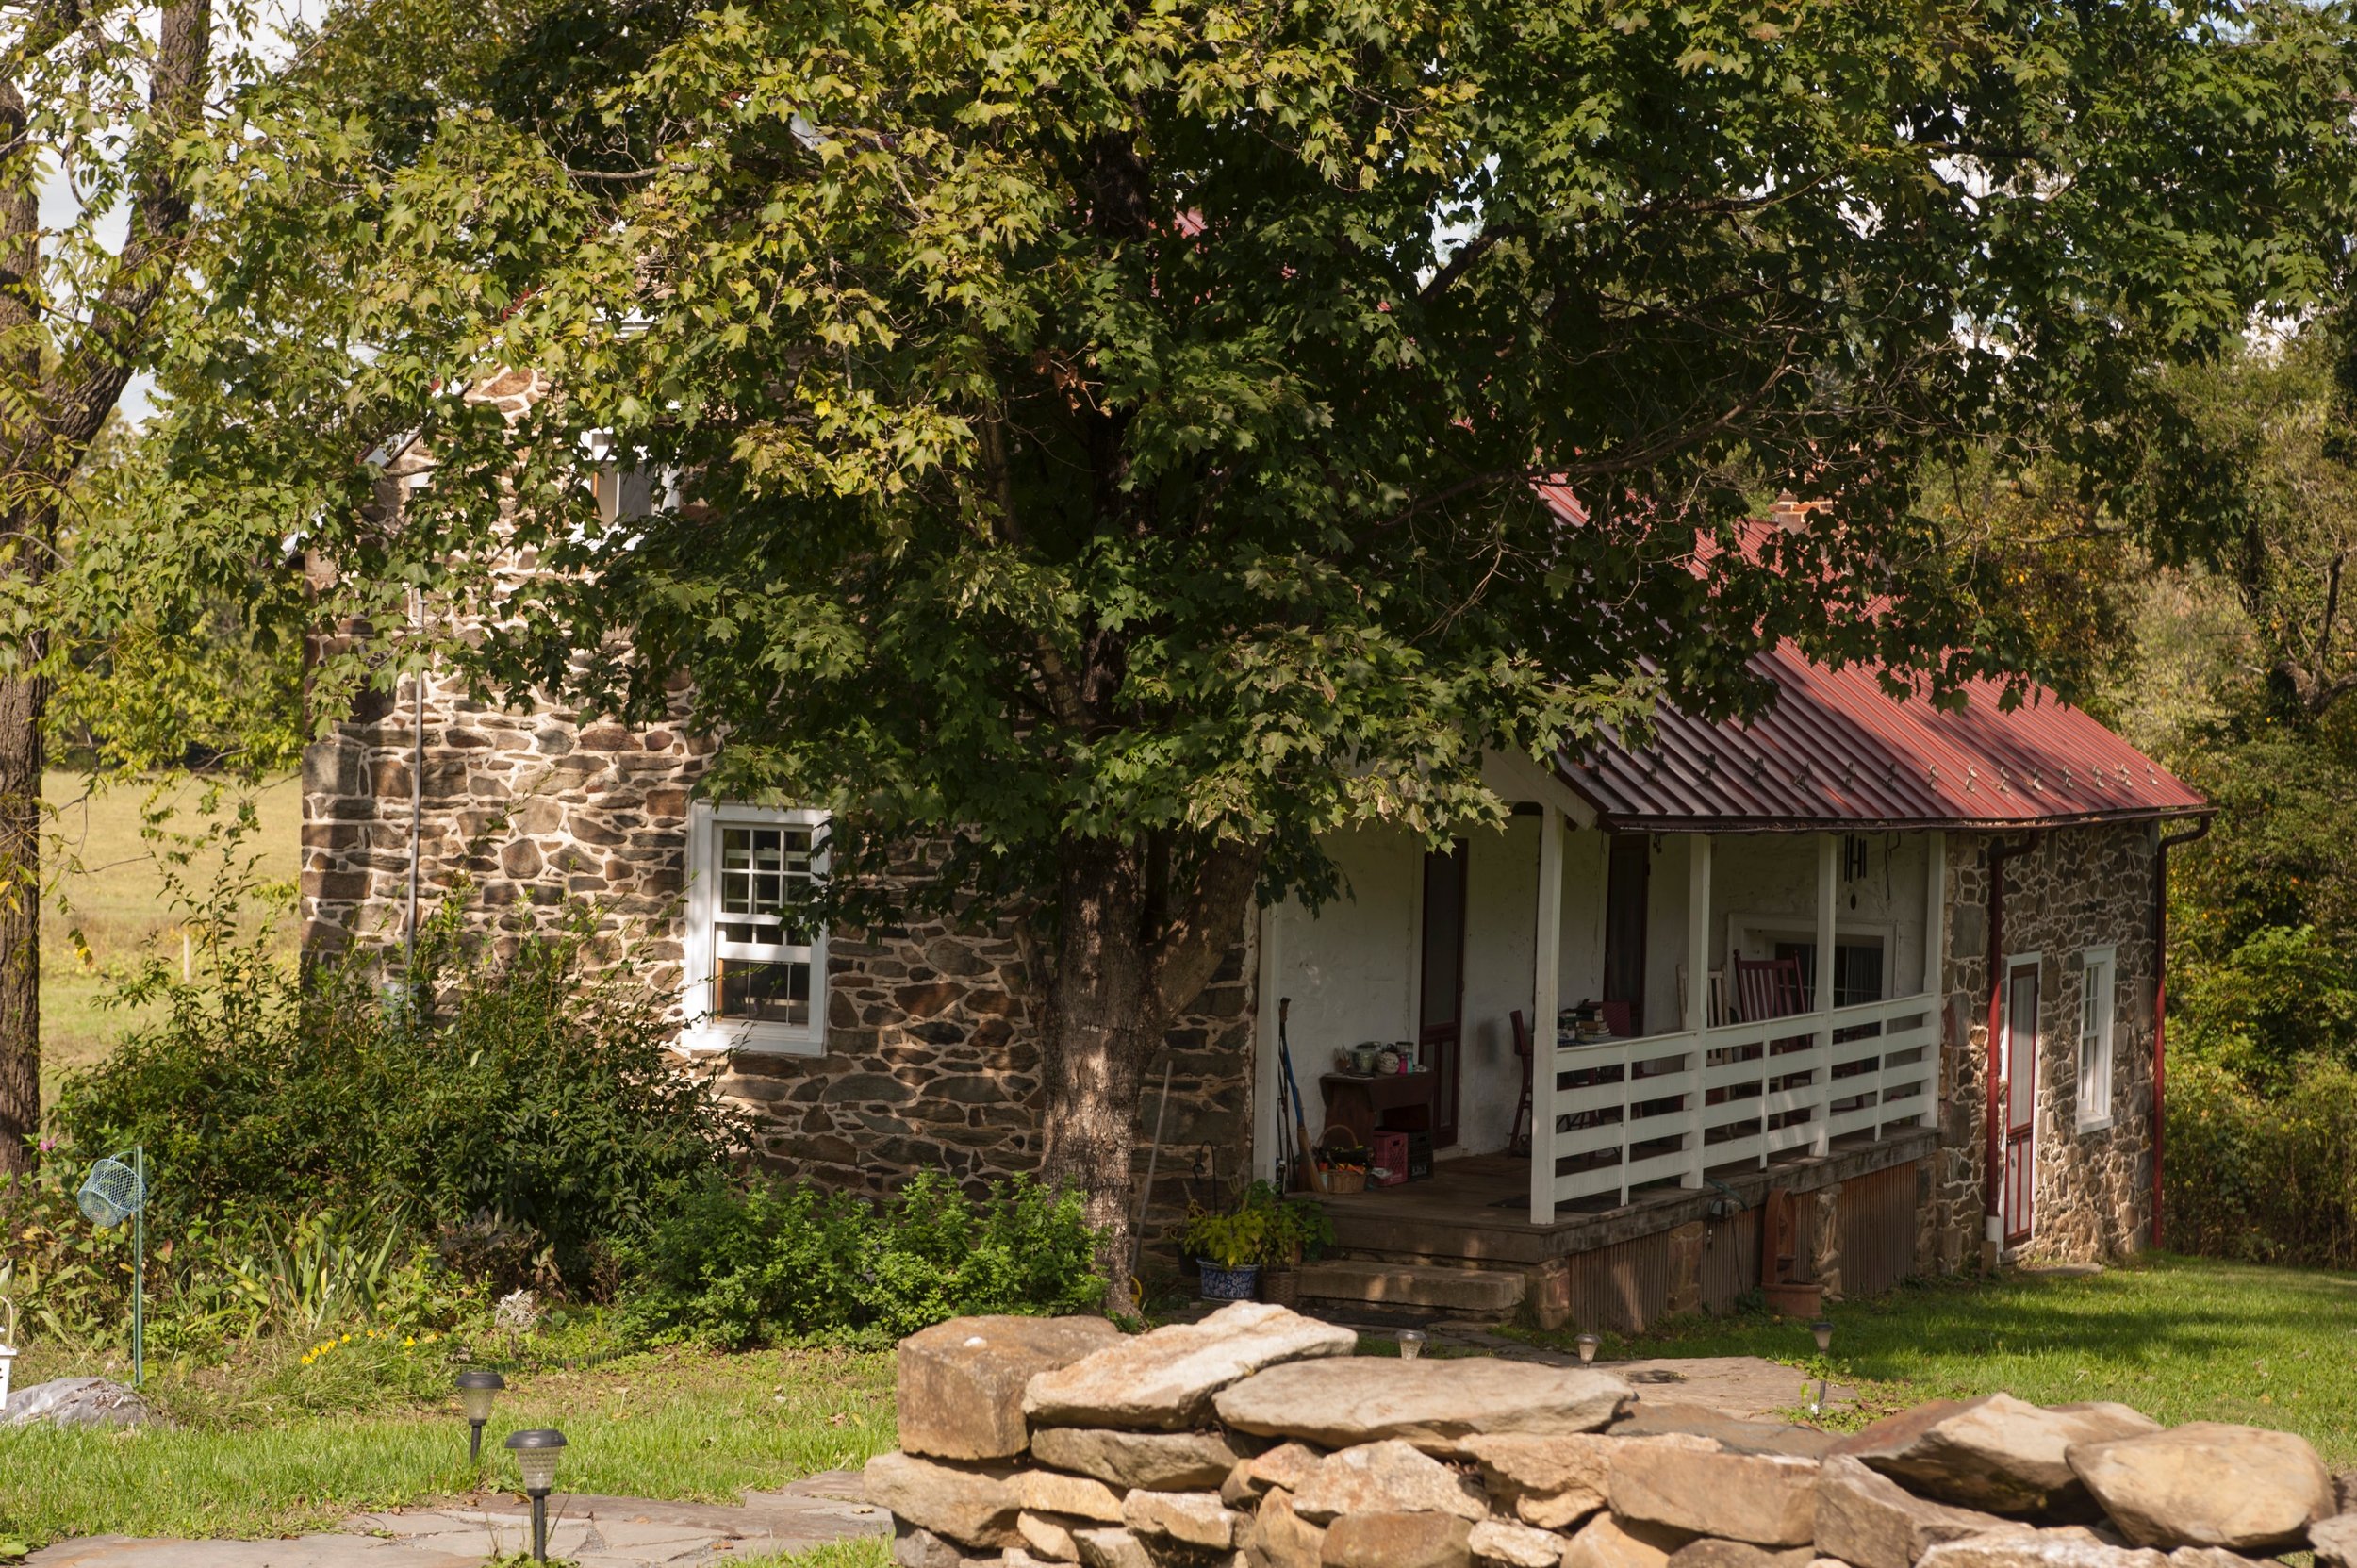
(1835, 749)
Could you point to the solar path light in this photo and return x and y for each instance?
(1588, 1345)
(1823, 1331)
(536, 1453)
(477, 1388)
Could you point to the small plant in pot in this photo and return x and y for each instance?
(1298, 1229)
(1228, 1246)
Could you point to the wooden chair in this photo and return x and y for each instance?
(1768, 988)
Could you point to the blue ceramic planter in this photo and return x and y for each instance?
(1229, 1284)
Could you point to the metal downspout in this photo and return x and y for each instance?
(2160, 1000)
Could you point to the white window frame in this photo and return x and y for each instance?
(2097, 965)
(702, 1032)
(1756, 936)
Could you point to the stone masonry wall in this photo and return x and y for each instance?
(931, 1059)
(1256, 1438)
(2075, 888)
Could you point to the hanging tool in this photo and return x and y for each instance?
(1301, 1126)
(1146, 1193)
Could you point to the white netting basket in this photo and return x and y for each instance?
(111, 1193)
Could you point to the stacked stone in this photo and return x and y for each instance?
(1255, 1439)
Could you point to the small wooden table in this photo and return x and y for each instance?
(1395, 1103)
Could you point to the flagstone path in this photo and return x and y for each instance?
(594, 1531)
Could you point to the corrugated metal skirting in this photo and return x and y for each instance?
(1878, 1229)
(1623, 1287)
(1731, 1262)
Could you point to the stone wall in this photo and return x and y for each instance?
(2074, 889)
(1257, 1439)
(931, 1059)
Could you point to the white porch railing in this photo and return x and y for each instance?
(1672, 1106)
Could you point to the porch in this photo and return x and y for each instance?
(1737, 1061)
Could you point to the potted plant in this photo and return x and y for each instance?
(1227, 1246)
(1298, 1229)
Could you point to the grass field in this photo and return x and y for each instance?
(682, 1425)
(109, 883)
(2181, 1339)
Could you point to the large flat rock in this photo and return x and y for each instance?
(1997, 1453)
(2027, 1548)
(1869, 1521)
(1166, 1380)
(1156, 1461)
(2209, 1484)
(1397, 1541)
(1390, 1476)
(1554, 1482)
(74, 1402)
(961, 1383)
(1606, 1542)
(1766, 1499)
(973, 1505)
(1435, 1405)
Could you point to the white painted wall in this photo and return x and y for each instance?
(1501, 945)
(1586, 855)
(1351, 969)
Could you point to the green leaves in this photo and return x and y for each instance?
(1119, 421)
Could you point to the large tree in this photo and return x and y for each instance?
(1102, 434)
(100, 104)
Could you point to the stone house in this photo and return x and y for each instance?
(1629, 1042)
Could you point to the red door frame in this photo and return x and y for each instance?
(2020, 1098)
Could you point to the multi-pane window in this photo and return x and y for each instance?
(756, 973)
(2094, 1039)
(761, 959)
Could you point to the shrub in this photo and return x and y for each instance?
(535, 1089)
(2268, 1177)
(742, 1266)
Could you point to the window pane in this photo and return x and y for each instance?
(762, 993)
(760, 867)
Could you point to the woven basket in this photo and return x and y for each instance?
(1281, 1286)
(1339, 1181)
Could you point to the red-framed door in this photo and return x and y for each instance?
(2022, 1056)
(1440, 1032)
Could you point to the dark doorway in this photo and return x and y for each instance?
(1626, 874)
(1440, 1038)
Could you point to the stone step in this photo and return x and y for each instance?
(1459, 1290)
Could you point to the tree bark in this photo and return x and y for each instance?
(1125, 967)
(22, 702)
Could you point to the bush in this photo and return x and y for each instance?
(744, 1267)
(2284, 996)
(535, 1091)
(2265, 1177)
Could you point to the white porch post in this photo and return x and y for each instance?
(1546, 989)
(1821, 1075)
(1697, 993)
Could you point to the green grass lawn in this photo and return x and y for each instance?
(680, 1425)
(2181, 1339)
(109, 884)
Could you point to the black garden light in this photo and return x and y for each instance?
(476, 1390)
(536, 1453)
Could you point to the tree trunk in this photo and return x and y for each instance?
(22, 702)
(1130, 958)
(1099, 1036)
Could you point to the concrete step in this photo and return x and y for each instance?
(1457, 1290)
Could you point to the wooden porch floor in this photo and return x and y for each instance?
(1478, 1209)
